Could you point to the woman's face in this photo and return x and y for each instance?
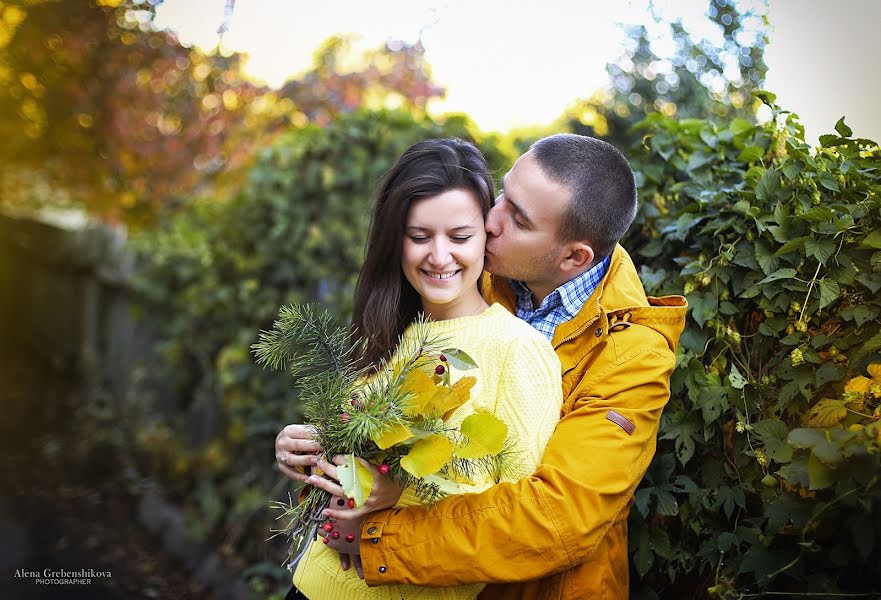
(442, 258)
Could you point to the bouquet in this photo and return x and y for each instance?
(394, 416)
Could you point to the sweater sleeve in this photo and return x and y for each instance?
(549, 522)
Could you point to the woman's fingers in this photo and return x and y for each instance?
(329, 486)
(328, 468)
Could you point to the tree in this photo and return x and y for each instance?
(702, 79)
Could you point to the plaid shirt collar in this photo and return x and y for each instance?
(563, 303)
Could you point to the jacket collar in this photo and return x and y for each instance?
(620, 297)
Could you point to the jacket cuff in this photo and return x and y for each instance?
(376, 562)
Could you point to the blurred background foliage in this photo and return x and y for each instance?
(242, 198)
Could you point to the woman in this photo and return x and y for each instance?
(425, 253)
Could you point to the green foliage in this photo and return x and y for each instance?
(767, 472)
(217, 273)
(700, 78)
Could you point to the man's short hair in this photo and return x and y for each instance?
(603, 203)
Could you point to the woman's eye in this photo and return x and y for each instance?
(518, 223)
(419, 239)
(461, 238)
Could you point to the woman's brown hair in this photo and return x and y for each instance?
(385, 302)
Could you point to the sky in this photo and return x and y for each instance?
(511, 63)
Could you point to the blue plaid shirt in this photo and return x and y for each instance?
(563, 303)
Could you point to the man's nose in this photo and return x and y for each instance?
(492, 222)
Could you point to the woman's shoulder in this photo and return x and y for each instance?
(513, 329)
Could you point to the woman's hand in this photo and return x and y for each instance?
(384, 493)
(345, 539)
(296, 450)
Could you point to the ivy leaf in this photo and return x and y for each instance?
(842, 129)
(750, 154)
(738, 381)
(356, 479)
(829, 292)
(641, 500)
(667, 504)
(428, 456)
(818, 442)
(486, 435)
(644, 558)
(397, 433)
(819, 474)
(778, 274)
(819, 249)
(768, 186)
(459, 359)
(791, 246)
(873, 240)
(766, 259)
(826, 413)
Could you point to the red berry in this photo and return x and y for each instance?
(326, 540)
(351, 503)
(443, 358)
(344, 417)
(335, 535)
(383, 469)
(440, 369)
(350, 538)
(327, 527)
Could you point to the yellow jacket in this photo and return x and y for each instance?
(561, 533)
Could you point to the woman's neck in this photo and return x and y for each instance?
(464, 307)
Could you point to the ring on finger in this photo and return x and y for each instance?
(283, 457)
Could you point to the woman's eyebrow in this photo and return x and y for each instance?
(457, 228)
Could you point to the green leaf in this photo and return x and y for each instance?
(820, 249)
(819, 475)
(791, 246)
(737, 380)
(667, 504)
(356, 479)
(829, 292)
(829, 181)
(766, 259)
(750, 154)
(644, 558)
(873, 240)
(779, 274)
(768, 186)
(842, 129)
(873, 343)
(740, 126)
(459, 359)
(818, 442)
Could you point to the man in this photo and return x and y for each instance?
(553, 257)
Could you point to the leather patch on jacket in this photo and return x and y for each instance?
(622, 421)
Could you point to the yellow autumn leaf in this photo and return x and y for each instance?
(397, 433)
(486, 435)
(356, 479)
(445, 485)
(858, 384)
(875, 371)
(447, 399)
(421, 389)
(826, 413)
(428, 456)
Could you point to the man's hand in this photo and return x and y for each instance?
(295, 451)
(349, 529)
(384, 493)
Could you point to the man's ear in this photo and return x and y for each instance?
(579, 255)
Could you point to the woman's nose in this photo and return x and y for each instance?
(440, 254)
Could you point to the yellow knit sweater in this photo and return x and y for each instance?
(519, 382)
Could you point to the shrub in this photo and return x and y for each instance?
(767, 471)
